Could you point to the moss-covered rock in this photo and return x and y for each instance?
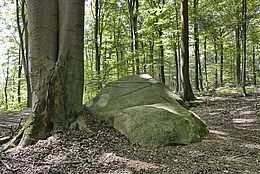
(146, 112)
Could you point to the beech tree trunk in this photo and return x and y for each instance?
(238, 55)
(216, 62)
(196, 45)
(243, 84)
(97, 55)
(161, 61)
(56, 69)
(187, 93)
(221, 62)
(23, 47)
(254, 66)
(205, 62)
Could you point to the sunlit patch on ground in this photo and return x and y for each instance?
(243, 120)
(251, 146)
(108, 158)
(217, 132)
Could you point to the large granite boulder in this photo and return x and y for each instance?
(146, 112)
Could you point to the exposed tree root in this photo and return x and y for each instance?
(19, 139)
(32, 132)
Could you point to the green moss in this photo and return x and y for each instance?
(152, 127)
(147, 112)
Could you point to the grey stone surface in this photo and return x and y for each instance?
(146, 112)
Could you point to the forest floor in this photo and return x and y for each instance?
(233, 146)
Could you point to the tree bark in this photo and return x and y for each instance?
(254, 68)
(221, 62)
(178, 67)
(151, 67)
(131, 15)
(56, 69)
(187, 94)
(216, 61)
(177, 87)
(96, 37)
(19, 77)
(244, 10)
(6, 82)
(23, 47)
(136, 37)
(196, 45)
(238, 55)
(205, 62)
(161, 48)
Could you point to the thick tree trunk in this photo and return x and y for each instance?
(187, 90)
(56, 61)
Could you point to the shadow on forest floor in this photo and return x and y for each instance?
(233, 146)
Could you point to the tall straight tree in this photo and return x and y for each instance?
(238, 53)
(97, 55)
(243, 84)
(187, 93)
(133, 8)
(23, 47)
(196, 44)
(56, 59)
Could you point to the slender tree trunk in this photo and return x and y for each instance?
(6, 82)
(161, 48)
(151, 58)
(19, 77)
(178, 74)
(216, 62)
(131, 14)
(144, 58)
(26, 61)
(24, 47)
(244, 10)
(136, 37)
(254, 67)
(205, 62)
(200, 76)
(177, 87)
(187, 90)
(221, 62)
(238, 55)
(96, 37)
(196, 45)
